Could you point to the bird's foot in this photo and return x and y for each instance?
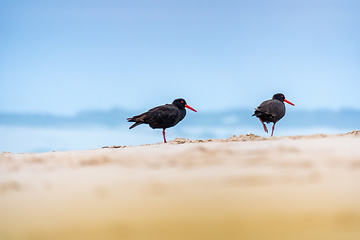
(164, 136)
(265, 128)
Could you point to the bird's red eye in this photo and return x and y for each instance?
(182, 101)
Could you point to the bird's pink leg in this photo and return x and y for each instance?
(265, 128)
(273, 130)
(164, 135)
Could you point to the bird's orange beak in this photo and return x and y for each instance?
(187, 106)
(289, 102)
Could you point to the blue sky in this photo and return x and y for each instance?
(61, 57)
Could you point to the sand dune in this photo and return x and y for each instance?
(244, 187)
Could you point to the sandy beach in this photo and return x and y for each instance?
(244, 187)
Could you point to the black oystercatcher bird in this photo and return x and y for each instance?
(271, 110)
(164, 116)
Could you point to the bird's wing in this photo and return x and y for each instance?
(272, 107)
(267, 106)
(263, 107)
(161, 113)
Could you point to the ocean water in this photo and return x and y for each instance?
(24, 139)
(26, 133)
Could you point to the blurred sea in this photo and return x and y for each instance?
(25, 133)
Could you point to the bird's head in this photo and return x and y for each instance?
(181, 104)
(281, 97)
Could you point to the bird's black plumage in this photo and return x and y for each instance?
(271, 110)
(164, 116)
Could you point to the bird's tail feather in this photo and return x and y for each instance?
(257, 113)
(139, 119)
(135, 124)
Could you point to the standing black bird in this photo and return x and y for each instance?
(163, 116)
(271, 110)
